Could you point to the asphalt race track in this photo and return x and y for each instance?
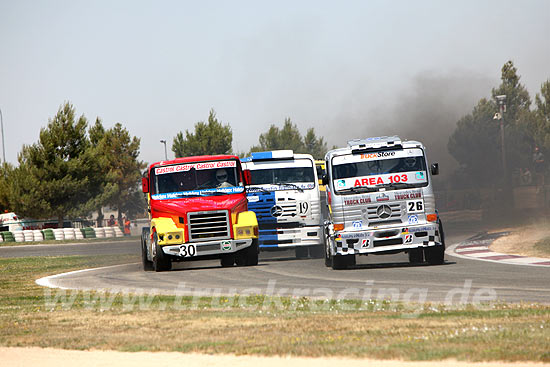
(381, 277)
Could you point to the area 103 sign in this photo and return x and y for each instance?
(373, 180)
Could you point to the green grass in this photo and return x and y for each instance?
(258, 324)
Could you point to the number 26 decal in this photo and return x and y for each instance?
(415, 206)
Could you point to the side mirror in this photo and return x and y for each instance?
(434, 168)
(144, 184)
(247, 177)
(325, 179)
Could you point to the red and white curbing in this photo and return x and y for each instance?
(477, 248)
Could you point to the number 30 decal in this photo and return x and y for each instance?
(188, 250)
(415, 206)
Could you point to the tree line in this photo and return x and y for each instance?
(76, 168)
(476, 142)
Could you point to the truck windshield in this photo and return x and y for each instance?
(282, 175)
(195, 179)
(391, 169)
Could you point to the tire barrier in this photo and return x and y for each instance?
(68, 233)
(48, 234)
(8, 236)
(118, 232)
(78, 234)
(58, 234)
(88, 232)
(28, 235)
(38, 236)
(99, 232)
(109, 232)
(18, 235)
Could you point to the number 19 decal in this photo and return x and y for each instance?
(303, 206)
(415, 206)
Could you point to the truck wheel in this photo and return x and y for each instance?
(249, 255)
(328, 261)
(435, 254)
(441, 233)
(328, 258)
(342, 261)
(301, 252)
(145, 238)
(317, 251)
(416, 256)
(160, 261)
(227, 260)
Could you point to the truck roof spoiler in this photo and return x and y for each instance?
(372, 144)
(269, 156)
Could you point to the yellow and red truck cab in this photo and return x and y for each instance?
(198, 210)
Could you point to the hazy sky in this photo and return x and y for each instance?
(348, 68)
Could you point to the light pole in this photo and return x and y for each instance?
(3, 145)
(502, 108)
(165, 154)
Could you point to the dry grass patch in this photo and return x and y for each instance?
(510, 332)
(532, 240)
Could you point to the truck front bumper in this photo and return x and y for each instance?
(385, 240)
(290, 237)
(208, 248)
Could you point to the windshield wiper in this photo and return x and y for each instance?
(357, 190)
(291, 185)
(397, 185)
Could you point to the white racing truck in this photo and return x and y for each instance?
(380, 198)
(284, 194)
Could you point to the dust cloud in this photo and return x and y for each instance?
(426, 110)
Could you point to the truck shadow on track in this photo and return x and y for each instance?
(187, 267)
(396, 265)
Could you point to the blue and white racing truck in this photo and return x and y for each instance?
(284, 194)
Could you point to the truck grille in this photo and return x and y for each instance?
(289, 207)
(384, 213)
(208, 225)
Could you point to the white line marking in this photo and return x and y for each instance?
(46, 281)
(451, 251)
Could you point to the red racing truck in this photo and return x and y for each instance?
(198, 211)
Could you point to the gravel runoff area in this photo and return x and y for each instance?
(57, 357)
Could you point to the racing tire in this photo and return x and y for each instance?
(147, 265)
(340, 262)
(328, 261)
(301, 252)
(416, 256)
(317, 251)
(328, 258)
(435, 254)
(160, 261)
(441, 233)
(227, 261)
(249, 255)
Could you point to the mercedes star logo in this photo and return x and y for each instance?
(276, 211)
(383, 211)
